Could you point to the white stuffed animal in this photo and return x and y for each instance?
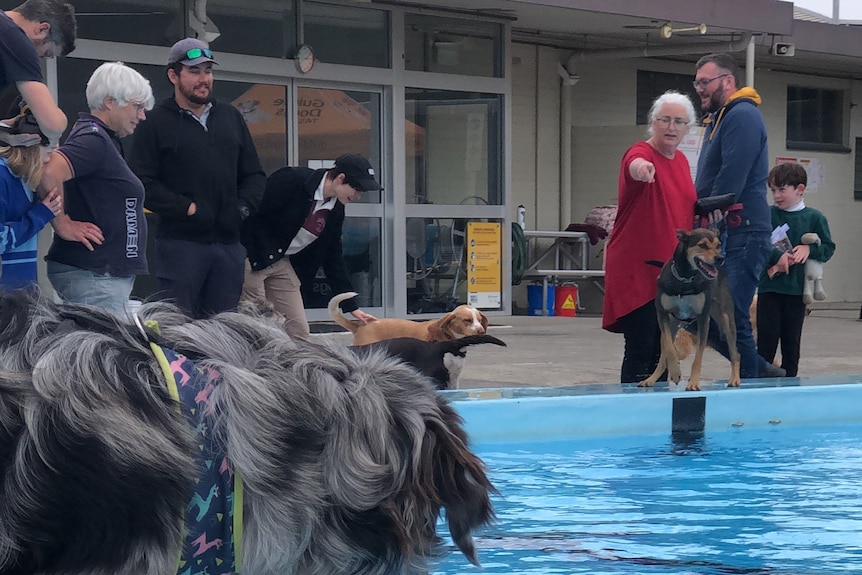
(813, 287)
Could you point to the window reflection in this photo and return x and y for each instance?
(346, 34)
(152, 22)
(454, 151)
(452, 46)
(335, 122)
(436, 264)
(263, 108)
(258, 28)
(361, 250)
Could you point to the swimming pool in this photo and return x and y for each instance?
(771, 484)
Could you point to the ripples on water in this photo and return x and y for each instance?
(782, 501)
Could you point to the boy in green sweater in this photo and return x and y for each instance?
(780, 305)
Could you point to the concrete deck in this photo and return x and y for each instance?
(561, 351)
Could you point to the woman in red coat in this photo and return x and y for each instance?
(656, 198)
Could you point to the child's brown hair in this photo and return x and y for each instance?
(787, 174)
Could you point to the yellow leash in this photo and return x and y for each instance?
(237, 480)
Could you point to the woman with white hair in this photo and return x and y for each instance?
(100, 242)
(656, 198)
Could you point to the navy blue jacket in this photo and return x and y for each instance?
(734, 159)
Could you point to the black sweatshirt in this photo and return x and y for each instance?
(180, 162)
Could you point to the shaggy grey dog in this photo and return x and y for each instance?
(347, 460)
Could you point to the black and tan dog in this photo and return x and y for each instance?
(693, 287)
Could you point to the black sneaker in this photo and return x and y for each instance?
(773, 371)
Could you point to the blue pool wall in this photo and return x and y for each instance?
(540, 414)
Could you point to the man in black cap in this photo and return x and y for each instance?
(301, 217)
(202, 177)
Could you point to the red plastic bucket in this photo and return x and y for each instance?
(566, 301)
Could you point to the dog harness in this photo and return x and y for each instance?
(212, 542)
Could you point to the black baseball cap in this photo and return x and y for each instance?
(357, 171)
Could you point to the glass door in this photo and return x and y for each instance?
(332, 122)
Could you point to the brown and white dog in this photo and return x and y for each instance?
(462, 321)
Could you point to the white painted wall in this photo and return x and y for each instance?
(603, 127)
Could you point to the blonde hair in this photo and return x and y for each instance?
(26, 163)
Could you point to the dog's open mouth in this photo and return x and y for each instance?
(707, 269)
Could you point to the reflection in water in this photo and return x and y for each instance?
(688, 443)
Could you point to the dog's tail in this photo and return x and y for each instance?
(455, 345)
(335, 313)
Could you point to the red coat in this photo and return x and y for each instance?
(645, 229)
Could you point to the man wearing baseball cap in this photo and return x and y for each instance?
(299, 226)
(203, 177)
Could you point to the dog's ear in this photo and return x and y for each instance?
(682, 235)
(483, 319)
(441, 330)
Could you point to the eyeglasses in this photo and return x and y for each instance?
(138, 106)
(198, 52)
(666, 120)
(702, 84)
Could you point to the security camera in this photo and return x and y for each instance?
(783, 49)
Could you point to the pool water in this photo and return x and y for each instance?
(771, 501)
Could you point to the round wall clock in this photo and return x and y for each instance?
(304, 58)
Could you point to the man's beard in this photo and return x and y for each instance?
(716, 101)
(195, 99)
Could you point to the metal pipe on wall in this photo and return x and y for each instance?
(651, 51)
(566, 83)
(749, 64)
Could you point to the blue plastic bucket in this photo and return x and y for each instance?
(534, 299)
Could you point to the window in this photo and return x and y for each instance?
(256, 28)
(453, 152)
(651, 85)
(347, 35)
(261, 29)
(131, 21)
(335, 122)
(815, 119)
(452, 46)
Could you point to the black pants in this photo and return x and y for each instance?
(779, 319)
(643, 344)
(203, 279)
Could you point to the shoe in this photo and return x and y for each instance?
(773, 371)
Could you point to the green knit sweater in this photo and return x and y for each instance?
(801, 222)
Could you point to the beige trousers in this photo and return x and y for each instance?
(278, 284)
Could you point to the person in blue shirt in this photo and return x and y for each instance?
(23, 213)
(734, 159)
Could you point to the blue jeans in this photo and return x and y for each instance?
(78, 285)
(746, 255)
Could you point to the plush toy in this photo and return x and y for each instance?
(813, 287)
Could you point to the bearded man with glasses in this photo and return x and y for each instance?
(734, 160)
(203, 177)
